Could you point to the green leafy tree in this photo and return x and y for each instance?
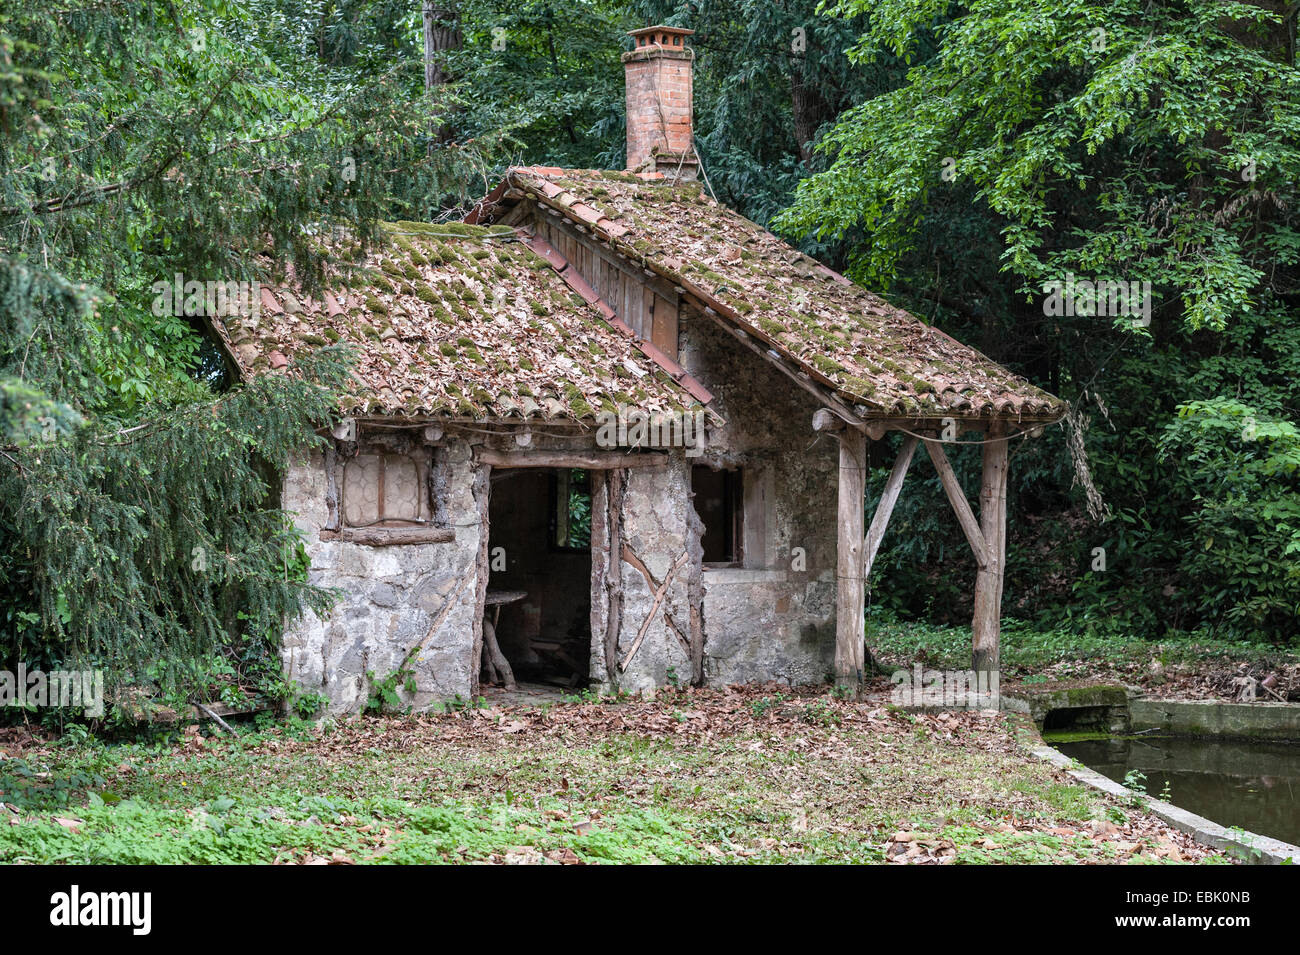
(1156, 141)
(1152, 142)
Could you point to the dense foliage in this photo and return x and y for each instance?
(1154, 142)
(143, 143)
(957, 157)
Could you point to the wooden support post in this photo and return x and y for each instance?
(986, 626)
(482, 490)
(615, 483)
(850, 601)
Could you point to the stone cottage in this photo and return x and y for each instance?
(607, 432)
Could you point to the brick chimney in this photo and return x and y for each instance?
(660, 128)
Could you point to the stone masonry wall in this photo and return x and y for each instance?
(769, 620)
(654, 532)
(391, 597)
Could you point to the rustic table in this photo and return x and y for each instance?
(498, 666)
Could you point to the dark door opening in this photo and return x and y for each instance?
(539, 556)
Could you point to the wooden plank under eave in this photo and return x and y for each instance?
(586, 460)
(664, 335)
(631, 300)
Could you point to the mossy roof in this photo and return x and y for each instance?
(461, 321)
(874, 355)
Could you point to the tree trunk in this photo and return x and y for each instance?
(441, 33)
(810, 111)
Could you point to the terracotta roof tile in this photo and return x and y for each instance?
(867, 350)
(462, 321)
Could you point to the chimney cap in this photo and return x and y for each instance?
(660, 36)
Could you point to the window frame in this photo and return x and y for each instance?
(557, 502)
(733, 506)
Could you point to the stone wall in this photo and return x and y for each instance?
(654, 533)
(773, 618)
(391, 596)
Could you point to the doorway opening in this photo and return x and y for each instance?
(539, 579)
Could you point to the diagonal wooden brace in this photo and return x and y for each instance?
(957, 498)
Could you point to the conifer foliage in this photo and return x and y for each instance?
(140, 141)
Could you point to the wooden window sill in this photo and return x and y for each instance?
(389, 536)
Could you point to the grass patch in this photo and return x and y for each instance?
(1025, 649)
(762, 775)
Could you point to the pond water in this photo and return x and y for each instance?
(1253, 786)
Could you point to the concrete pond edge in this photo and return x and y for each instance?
(1249, 847)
